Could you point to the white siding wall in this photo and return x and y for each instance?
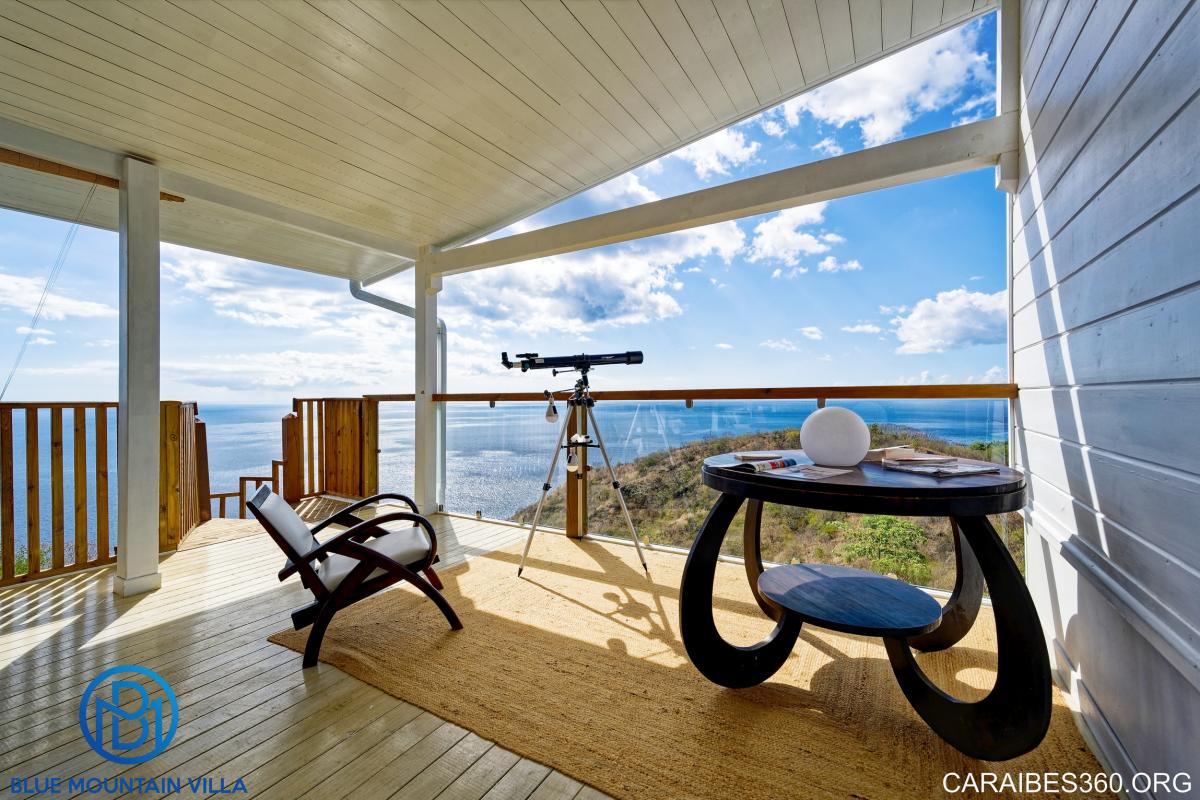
(1106, 334)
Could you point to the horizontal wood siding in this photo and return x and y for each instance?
(1106, 315)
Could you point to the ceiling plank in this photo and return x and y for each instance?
(947, 152)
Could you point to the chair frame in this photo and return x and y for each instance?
(358, 584)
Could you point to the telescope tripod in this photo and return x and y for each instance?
(583, 403)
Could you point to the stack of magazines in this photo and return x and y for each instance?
(938, 466)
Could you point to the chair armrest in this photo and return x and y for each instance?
(337, 543)
(366, 501)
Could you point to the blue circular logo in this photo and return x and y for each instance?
(128, 714)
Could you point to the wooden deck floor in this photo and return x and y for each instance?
(247, 708)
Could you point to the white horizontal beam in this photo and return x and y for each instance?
(967, 147)
(53, 147)
(188, 186)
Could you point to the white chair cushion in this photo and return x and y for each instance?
(403, 545)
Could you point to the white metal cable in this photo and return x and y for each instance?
(55, 270)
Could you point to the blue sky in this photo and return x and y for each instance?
(899, 286)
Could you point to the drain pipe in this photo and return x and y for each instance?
(359, 293)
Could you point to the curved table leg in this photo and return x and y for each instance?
(718, 660)
(963, 607)
(1015, 715)
(752, 557)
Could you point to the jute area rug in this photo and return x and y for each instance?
(579, 665)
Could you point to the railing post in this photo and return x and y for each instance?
(576, 488)
(293, 458)
(369, 450)
(169, 484)
(203, 484)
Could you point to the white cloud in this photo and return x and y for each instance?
(832, 238)
(892, 309)
(993, 375)
(779, 237)
(580, 293)
(925, 378)
(778, 273)
(825, 357)
(779, 344)
(25, 330)
(723, 346)
(624, 190)
(42, 341)
(717, 153)
(811, 332)
(828, 146)
(953, 319)
(772, 127)
(884, 97)
(862, 327)
(831, 264)
(22, 294)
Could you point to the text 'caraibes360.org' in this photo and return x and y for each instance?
(1086, 784)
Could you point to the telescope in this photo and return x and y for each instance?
(582, 362)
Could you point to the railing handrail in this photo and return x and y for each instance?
(945, 391)
(63, 404)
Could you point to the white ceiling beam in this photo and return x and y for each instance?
(240, 201)
(967, 147)
(53, 147)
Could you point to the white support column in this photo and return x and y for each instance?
(427, 442)
(137, 417)
(1008, 86)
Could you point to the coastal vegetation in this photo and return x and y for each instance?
(669, 503)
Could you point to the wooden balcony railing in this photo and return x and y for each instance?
(88, 428)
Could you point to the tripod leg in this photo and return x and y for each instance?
(537, 515)
(612, 474)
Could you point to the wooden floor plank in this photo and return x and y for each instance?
(518, 782)
(247, 708)
(432, 780)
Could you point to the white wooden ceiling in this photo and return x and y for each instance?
(425, 122)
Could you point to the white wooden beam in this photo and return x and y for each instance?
(1008, 86)
(60, 149)
(52, 147)
(427, 443)
(188, 186)
(934, 155)
(138, 413)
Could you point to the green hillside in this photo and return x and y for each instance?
(669, 503)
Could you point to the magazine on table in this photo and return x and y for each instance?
(948, 469)
(785, 467)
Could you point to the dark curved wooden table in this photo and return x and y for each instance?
(1011, 720)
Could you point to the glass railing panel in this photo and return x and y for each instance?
(498, 457)
(397, 446)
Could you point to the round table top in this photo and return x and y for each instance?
(851, 600)
(871, 488)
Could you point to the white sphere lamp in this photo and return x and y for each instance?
(835, 437)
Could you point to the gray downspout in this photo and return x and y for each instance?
(359, 293)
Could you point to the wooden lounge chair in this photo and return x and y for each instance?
(370, 555)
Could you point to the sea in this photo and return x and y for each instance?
(497, 458)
